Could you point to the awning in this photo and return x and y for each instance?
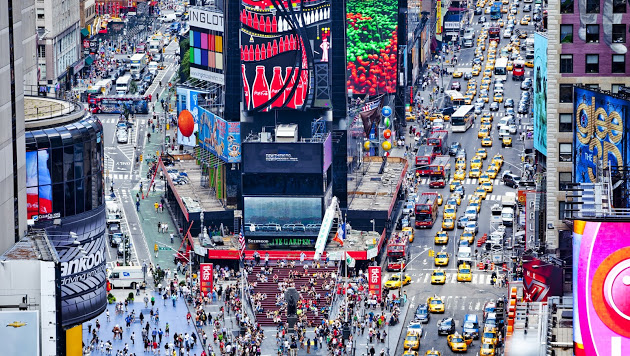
(85, 32)
(89, 60)
(153, 3)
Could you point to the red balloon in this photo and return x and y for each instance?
(186, 123)
(387, 134)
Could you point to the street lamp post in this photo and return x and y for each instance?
(373, 221)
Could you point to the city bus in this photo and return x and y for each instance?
(455, 97)
(439, 139)
(424, 157)
(494, 34)
(463, 118)
(426, 210)
(397, 253)
(439, 171)
(119, 104)
(495, 11)
(500, 68)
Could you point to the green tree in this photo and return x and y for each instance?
(184, 67)
(133, 87)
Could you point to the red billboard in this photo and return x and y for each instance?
(374, 280)
(541, 280)
(206, 273)
(601, 279)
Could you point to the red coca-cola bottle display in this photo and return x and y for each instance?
(298, 98)
(281, 47)
(249, 19)
(276, 86)
(246, 97)
(260, 89)
(257, 53)
(268, 24)
(274, 25)
(251, 53)
(269, 50)
(263, 52)
(262, 27)
(274, 50)
(255, 22)
(243, 16)
(288, 97)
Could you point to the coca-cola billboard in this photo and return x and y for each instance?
(206, 273)
(285, 54)
(374, 280)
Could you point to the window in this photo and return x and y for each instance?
(592, 63)
(566, 6)
(41, 50)
(614, 88)
(619, 6)
(566, 93)
(562, 207)
(592, 6)
(618, 63)
(566, 63)
(564, 179)
(592, 33)
(566, 123)
(619, 33)
(566, 152)
(566, 33)
(592, 86)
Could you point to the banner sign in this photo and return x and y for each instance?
(541, 280)
(206, 274)
(374, 281)
(219, 136)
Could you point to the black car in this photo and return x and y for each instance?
(482, 19)
(422, 313)
(448, 110)
(446, 326)
(478, 11)
(509, 103)
(522, 109)
(452, 150)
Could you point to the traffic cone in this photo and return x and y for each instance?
(492, 266)
(504, 267)
(142, 196)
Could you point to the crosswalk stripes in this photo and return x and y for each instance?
(124, 177)
(492, 197)
(480, 278)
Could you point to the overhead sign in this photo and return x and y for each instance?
(205, 19)
(208, 76)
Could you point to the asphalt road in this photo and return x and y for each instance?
(463, 298)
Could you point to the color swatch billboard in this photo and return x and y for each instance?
(372, 46)
(206, 45)
(599, 135)
(540, 93)
(601, 278)
(285, 52)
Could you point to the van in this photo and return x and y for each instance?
(126, 276)
(507, 216)
(464, 255)
(153, 67)
(504, 131)
(471, 326)
(113, 212)
(167, 18)
(469, 42)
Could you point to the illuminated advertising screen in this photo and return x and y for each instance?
(219, 136)
(541, 280)
(38, 183)
(540, 93)
(282, 215)
(285, 52)
(188, 99)
(601, 276)
(372, 46)
(275, 157)
(599, 134)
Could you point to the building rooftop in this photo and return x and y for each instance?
(40, 112)
(356, 240)
(369, 189)
(194, 195)
(33, 246)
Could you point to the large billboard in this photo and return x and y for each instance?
(540, 93)
(275, 157)
(38, 184)
(206, 45)
(20, 332)
(271, 215)
(599, 135)
(541, 280)
(372, 46)
(219, 136)
(601, 276)
(188, 99)
(285, 52)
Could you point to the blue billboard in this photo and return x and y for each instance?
(219, 136)
(540, 93)
(188, 99)
(599, 135)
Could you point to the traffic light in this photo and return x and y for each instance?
(431, 253)
(140, 158)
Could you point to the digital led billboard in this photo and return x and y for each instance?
(285, 54)
(372, 46)
(299, 157)
(271, 215)
(206, 45)
(601, 278)
(188, 99)
(599, 135)
(540, 93)
(219, 136)
(38, 183)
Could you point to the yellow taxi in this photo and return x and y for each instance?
(409, 232)
(436, 116)
(492, 171)
(523, 34)
(487, 115)
(487, 73)
(395, 281)
(485, 97)
(510, 17)
(472, 92)
(483, 133)
(454, 184)
(468, 236)
(498, 158)
(436, 304)
(487, 350)
(411, 353)
(457, 74)
(438, 276)
(472, 84)
(468, 99)
(510, 64)
(440, 199)
(460, 164)
(505, 2)
(464, 274)
(506, 141)
(459, 174)
(433, 352)
(409, 117)
(448, 223)
(482, 152)
(450, 213)
(491, 61)
(480, 192)
(484, 86)
(412, 341)
(441, 258)
(487, 186)
(529, 64)
(486, 80)
(485, 122)
(475, 71)
(498, 97)
(489, 337)
(476, 162)
(456, 198)
(484, 178)
(525, 20)
(486, 142)
(475, 203)
(457, 343)
(441, 238)
(474, 173)
(501, 23)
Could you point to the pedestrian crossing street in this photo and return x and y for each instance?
(478, 277)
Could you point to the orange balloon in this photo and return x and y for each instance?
(387, 134)
(186, 123)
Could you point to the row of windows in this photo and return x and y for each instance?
(592, 6)
(592, 33)
(618, 63)
(566, 92)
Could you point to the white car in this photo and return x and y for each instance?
(121, 136)
(507, 33)
(471, 213)
(438, 124)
